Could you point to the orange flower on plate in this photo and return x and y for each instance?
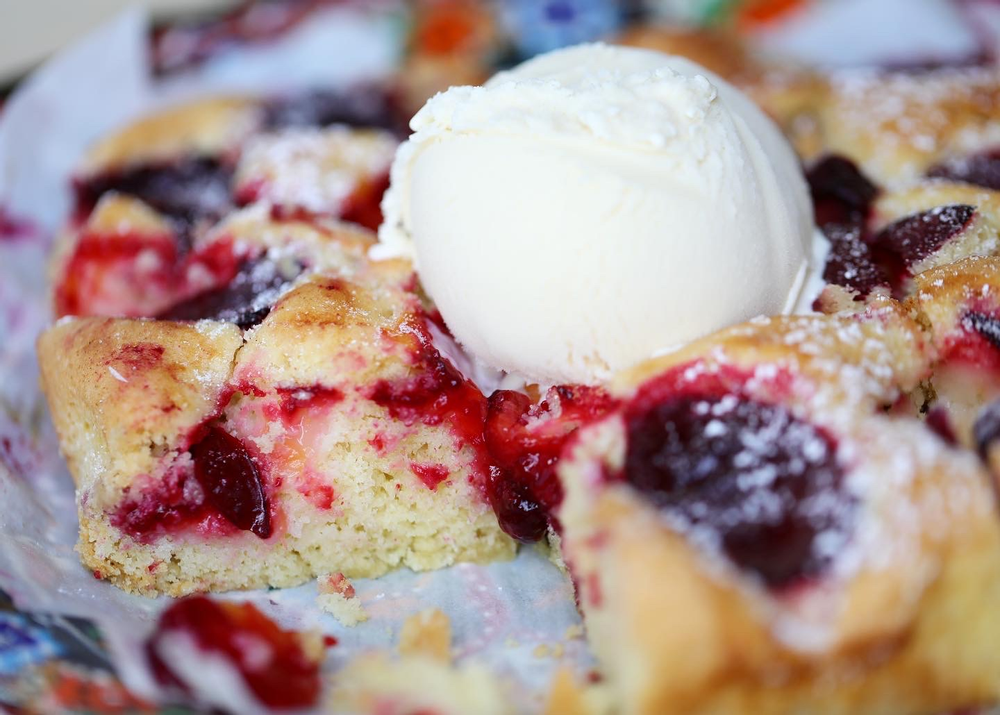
(755, 13)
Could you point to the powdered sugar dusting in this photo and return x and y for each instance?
(312, 169)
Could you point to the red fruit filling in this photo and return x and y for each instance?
(912, 239)
(176, 502)
(940, 424)
(525, 441)
(979, 169)
(863, 262)
(430, 474)
(118, 275)
(849, 262)
(841, 193)
(271, 661)
(435, 393)
(221, 490)
(187, 191)
(365, 106)
(245, 300)
(295, 399)
(764, 483)
(364, 207)
(232, 483)
(842, 199)
(517, 508)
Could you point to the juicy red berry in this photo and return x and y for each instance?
(916, 237)
(940, 424)
(430, 474)
(271, 661)
(986, 326)
(979, 169)
(245, 300)
(517, 509)
(232, 484)
(764, 482)
(435, 392)
(850, 262)
(525, 442)
(188, 191)
(175, 502)
(364, 207)
(840, 192)
(359, 107)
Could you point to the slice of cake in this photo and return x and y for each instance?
(295, 421)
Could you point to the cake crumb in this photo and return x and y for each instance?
(567, 697)
(338, 598)
(574, 632)
(427, 633)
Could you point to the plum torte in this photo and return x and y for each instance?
(791, 515)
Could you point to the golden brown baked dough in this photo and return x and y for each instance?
(899, 619)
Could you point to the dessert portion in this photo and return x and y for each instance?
(636, 173)
(756, 522)
(295, 421)
(147, 195)
(750, 531)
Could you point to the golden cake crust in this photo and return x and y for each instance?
(681, 633)
(327, 332)
(206, 127)
(868, 357)
(941, 295)
(898, 125)
(122, 392)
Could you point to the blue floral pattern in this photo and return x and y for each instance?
(541, 25)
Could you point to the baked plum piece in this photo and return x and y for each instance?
(880, 240)
(750, 531)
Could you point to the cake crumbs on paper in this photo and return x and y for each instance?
(568, 697)
(426, 633)
(338, 598)
(574, 632)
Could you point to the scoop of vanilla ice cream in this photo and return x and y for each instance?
(595, 206)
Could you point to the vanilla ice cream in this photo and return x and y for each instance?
(595, 206)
